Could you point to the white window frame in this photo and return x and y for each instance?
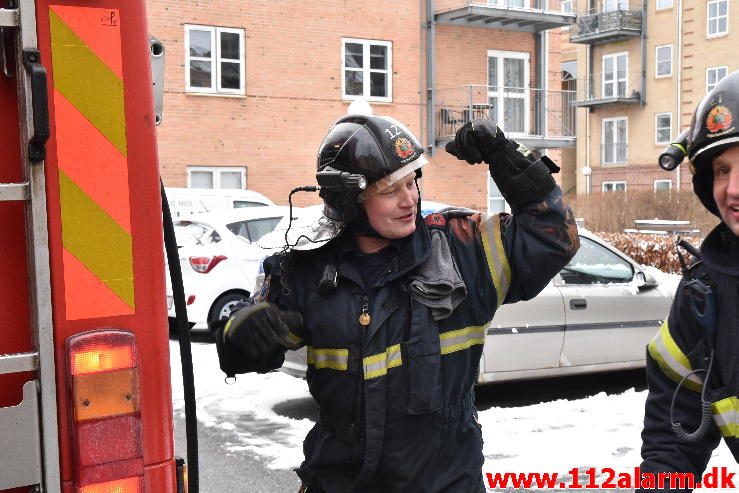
(657, 128)
(616, 79)
(502, 95)
(506, 4)
(715, 71)
(215, 61)
(603, 139)
(669, 182)
(717, 34)
(657, 75)
(506, 206)
(568, 3)
(667, 5)
(366, 70)
(613, 184)
(217, 170)
(615, 5)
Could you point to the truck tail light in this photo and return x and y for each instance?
(204, 265)
(103, 382)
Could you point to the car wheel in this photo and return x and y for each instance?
(224, 305)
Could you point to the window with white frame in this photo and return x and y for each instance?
(508, 98)
(216, 177)
(662, 185)
(615, 73)
(509, 3)
(214, 60)
(664, 4)
(663, 57)
(713, 75)
(717, 18)
(611, 5)
(614, 140)
(496, 202)
(613, 186)
(662, 128)
(366, 68)
(566, 6)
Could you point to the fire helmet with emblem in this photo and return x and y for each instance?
(374, 147)
(713, 129)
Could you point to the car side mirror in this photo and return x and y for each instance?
(645, 280)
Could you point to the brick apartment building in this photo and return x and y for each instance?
(251, 87)
(641, 68)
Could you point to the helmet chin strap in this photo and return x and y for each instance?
(361, 224)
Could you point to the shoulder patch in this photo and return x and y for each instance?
(435, 220)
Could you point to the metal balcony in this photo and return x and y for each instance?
(515, 15)
(610, 88)
(533, 117)
(607, 27)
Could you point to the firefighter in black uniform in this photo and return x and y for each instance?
(393, 309)
(694, 358)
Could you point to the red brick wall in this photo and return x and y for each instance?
(293, 88)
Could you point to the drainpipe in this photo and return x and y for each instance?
(679, 79)
(430, 68)
(643, 96)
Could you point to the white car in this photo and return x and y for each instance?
(597, 314)
(220, 259)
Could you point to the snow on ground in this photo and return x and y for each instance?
(598, 431)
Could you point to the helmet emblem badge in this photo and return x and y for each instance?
(403, 148)
(718, 119)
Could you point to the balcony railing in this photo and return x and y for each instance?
(528, 114)
(519, 15)
(606, 27)
(608, 88)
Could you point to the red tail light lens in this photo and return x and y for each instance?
(105, 416)
(204, 265)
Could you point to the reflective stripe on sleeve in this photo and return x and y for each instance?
(492, 243)
(292, 341)
(336, 359)
(458, 340)
(671, 359)
(377, 365)
(726, 416)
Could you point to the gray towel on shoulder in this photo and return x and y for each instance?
(437, 283)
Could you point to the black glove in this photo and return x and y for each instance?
(258, 330)
(519, 175)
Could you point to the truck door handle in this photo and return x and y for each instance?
(578, 304)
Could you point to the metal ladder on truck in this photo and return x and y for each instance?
(29, 453)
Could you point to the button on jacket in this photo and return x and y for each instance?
(395, 388)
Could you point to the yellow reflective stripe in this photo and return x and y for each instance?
(671, 359)
(458, 340)
(336, 359)
(377, 365)
(292, 341)
(492, 243)
(726, 416)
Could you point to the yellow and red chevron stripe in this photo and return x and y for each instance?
(90, 129)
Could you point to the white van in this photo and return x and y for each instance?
(184, 201)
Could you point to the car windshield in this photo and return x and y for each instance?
(254, 229)
(240, 204)
(594, 264)
(190, 233)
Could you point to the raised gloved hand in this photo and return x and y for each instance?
(260, 329)
(519, 175)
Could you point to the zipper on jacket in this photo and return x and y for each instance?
(364, 317)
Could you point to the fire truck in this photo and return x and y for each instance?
(85, 388)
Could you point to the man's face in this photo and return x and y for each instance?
(726, 187)
(392, 211)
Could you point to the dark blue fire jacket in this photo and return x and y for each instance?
(683, 345)
(395, 389)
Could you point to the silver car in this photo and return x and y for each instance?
(597, 314)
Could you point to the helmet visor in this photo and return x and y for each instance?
(388, 181)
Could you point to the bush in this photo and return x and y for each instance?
(654, 250)
(613, 212)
